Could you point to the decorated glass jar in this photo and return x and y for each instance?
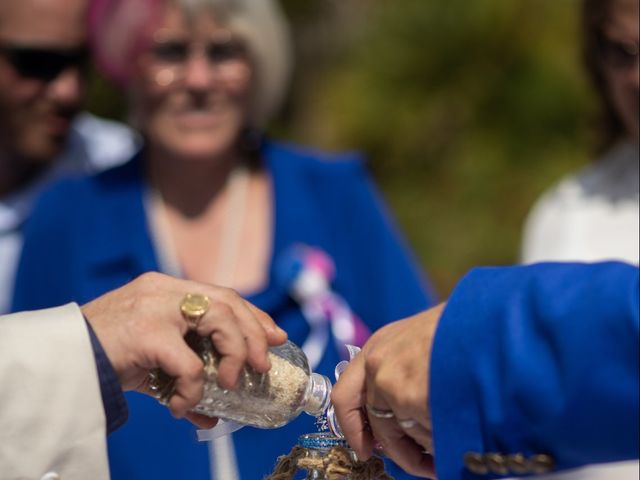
(326, 457)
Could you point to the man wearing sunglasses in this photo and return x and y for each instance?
(43, 60)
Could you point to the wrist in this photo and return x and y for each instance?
(113, 401)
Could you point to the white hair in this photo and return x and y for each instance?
(116, 26)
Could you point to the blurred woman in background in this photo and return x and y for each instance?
(594, 215)
(210, 199)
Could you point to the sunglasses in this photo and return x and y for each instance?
(618, 55)
(44, 64)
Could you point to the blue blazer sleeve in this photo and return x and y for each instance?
(538, 359)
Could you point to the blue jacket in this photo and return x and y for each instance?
(539, 359)
(89, 235)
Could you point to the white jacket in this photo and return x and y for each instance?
(591, 216)
(52, 422)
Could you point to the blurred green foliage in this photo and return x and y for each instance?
(466, 109)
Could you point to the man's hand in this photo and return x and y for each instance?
(140, 328)
(391, 374)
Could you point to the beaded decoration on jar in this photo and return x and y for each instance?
(326, 457)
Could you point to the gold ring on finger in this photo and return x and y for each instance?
(193, 307)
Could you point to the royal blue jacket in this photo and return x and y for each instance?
(539, 359)
(90, 235)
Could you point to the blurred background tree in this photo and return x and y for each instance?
(466, 110)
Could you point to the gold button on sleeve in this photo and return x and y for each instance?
(474, 462)
(541, 463)
(496, 463)
(518, 463)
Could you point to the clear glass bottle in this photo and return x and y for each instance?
(264, 400)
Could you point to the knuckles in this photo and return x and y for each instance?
(149, 280)
(225, 295)
(193, 369)
(221, 310)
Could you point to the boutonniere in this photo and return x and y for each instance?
(307, 273)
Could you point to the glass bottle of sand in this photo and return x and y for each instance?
(263, 400)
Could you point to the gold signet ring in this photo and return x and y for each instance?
(193, 307)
